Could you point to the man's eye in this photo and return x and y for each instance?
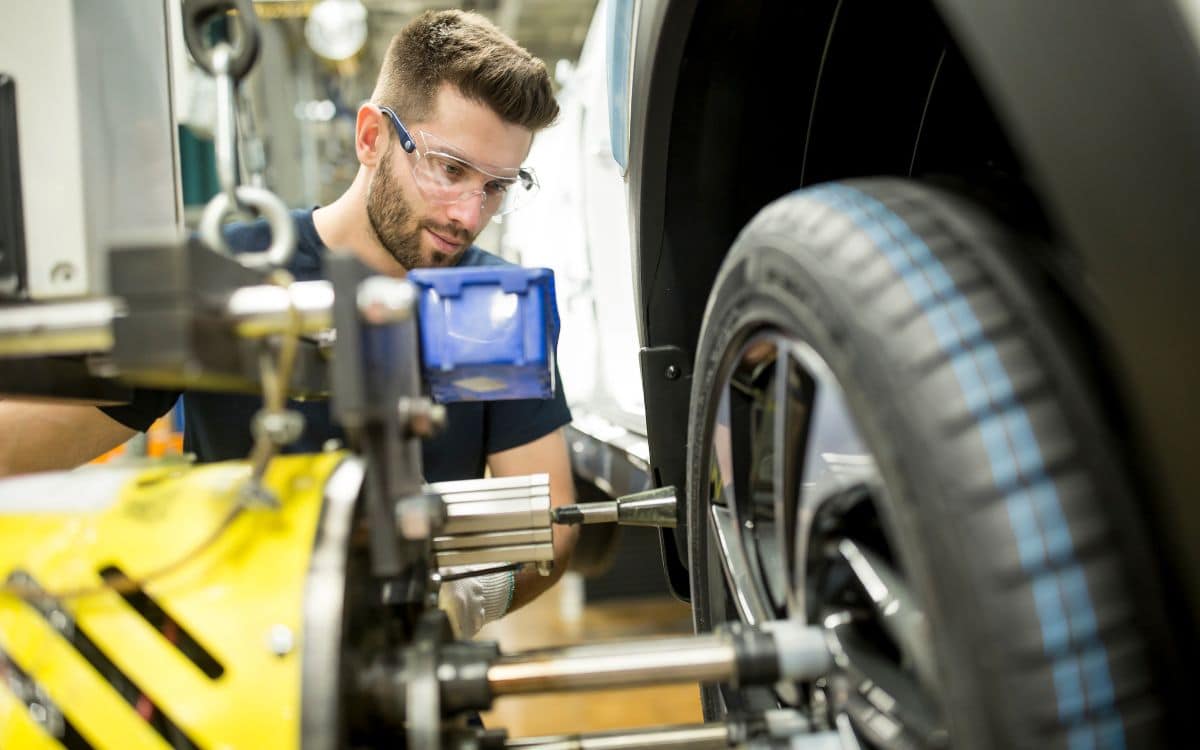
(452, 170)
(497, 188)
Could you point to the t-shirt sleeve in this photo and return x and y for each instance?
(146, 406)
(517, 422)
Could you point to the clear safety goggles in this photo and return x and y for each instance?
(444, 178)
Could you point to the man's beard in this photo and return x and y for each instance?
(391, 217)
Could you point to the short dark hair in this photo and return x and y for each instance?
(470, 52)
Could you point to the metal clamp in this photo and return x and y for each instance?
(271, 208)
(196, 16)
(228, 65)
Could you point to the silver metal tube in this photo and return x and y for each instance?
(492, 487)
(79, 327)
(497, 515)
(493, 539)
(519, 553)
(705, 658)
(712, 736)
(266, 310)
(515, 493)
(601, 512)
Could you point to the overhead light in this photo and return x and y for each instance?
(337, 29)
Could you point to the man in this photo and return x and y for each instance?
(439, 146)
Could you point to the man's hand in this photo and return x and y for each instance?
(546, 455)
(471, 603)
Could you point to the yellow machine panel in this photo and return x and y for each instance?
(165, 615)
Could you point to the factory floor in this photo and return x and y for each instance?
(561, 617)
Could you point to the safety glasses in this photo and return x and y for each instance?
(444, 177)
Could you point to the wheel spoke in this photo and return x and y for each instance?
(739, 574)
(721, 465)
(742, 476)
(763, 510)
(793, 395)
(882, 700)
(897, 608)
(833, 457)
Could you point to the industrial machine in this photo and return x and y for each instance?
(277, 601)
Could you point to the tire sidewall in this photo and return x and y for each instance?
(763, 286)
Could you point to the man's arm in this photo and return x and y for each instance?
(42, 436)
(546, 455)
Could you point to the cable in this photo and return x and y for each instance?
(127, 585)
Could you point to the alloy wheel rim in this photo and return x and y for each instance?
(803, 539)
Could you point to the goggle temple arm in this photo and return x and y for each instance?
(406, 140)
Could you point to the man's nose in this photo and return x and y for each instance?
(468, 212)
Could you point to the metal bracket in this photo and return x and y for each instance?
(667, 381)
(375, 368)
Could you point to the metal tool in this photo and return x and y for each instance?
(650, 508)
(785, 651)
(438, 680)
(497, 520)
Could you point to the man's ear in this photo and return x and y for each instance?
(370, 136)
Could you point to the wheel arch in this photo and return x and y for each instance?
(737, 103)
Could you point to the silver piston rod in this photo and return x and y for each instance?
(684, 737)
(794, 734)
(782, 650)
(470, 675)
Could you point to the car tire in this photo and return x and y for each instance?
(995, 496)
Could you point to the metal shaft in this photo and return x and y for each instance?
(685, 737)
(705, 658)
(587, 513)
(267, 310)
(781, 650)
(654, 508)
(76, 327)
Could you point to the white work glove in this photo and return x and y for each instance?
(471, 603)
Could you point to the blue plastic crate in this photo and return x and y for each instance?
(487, 332)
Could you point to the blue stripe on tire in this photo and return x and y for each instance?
(1081, 675)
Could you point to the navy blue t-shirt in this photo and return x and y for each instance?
(217, 425)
